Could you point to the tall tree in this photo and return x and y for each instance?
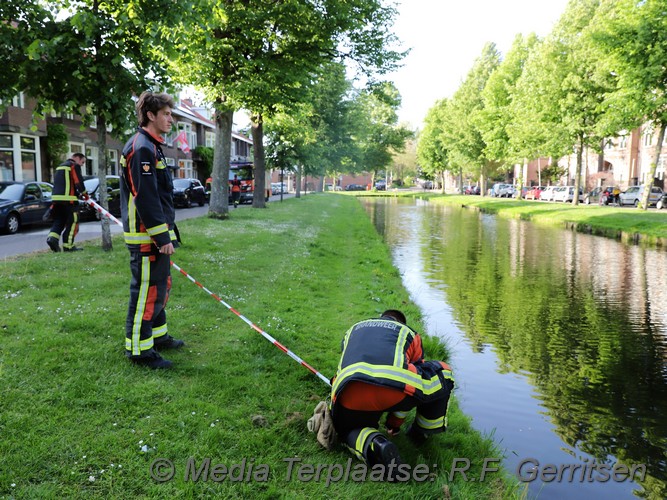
(382, 134)
(262, 55)
(433, 146)
(467, 145)
(497, 114)
(634, 35)
(564, 86)
(93, 57)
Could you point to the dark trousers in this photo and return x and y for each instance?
(65, 222)
(357, 428)
(236, 196)
(149, 293)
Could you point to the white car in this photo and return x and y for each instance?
(634, 195)
(566, 194)
(547, 193)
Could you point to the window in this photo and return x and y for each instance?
(6, 158)
(19, 101)
(112, 163)
(623, 142)
(91, 167)
(186, 168)
(210, 139)
(648, 138)
(29, 158)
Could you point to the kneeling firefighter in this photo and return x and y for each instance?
(382, 369)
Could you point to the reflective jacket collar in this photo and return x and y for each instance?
(156, 139)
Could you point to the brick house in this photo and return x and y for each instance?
(23, 144)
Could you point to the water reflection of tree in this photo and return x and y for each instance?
(601, 374)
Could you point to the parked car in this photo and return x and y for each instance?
(547, 194)
(634, 195)
(92, 183)
(534, 193)
(276, 187)
(471, 190)
(381, 185)
(566, 194)
(355, 187)
(501, 190)
(23, 204)
(188, 191)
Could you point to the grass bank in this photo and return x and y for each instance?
(624, 223)
(78, 421)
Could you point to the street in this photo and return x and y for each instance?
(34, 239)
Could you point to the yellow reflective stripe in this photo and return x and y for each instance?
(141, 306)
(172, 235)
(162, 228)
(160, 331)
(144, 345)
(385, 371)
(360, 443)
(131, 213)
(67, 170)
(430, 424)
(399, 414)
(399, 353)
(137, 238)
(63, 197)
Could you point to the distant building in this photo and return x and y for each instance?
(24, 154)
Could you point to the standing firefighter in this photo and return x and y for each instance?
(147, 210)
(67, 189)
(236, 190)
(382, 369)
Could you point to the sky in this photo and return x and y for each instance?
(446, 36)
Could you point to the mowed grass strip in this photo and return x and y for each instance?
(78, 421)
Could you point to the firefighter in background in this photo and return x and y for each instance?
(147, 208)
(67, 189)
(236, 190)
(382, 369)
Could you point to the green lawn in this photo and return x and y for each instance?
(78, 421)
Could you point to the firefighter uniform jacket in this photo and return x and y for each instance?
(387, 353)
(68, 182)
(147, 205)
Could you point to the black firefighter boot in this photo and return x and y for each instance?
(382, 451)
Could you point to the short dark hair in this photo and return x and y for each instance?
(395, 314)
(152, 102)
(78, 156)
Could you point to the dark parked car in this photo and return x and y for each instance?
(23, 204)
(187, 192)
(355, 187)
(86, 212)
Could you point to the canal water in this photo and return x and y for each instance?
(558, 341)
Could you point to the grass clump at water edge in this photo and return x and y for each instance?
(77, 420)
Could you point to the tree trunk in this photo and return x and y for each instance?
(577, 172)
(648, 184)
(107, 244)
(299, 173)
(257, 130)
(218, 207)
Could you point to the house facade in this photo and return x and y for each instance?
(24, 141)
(625, 161)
